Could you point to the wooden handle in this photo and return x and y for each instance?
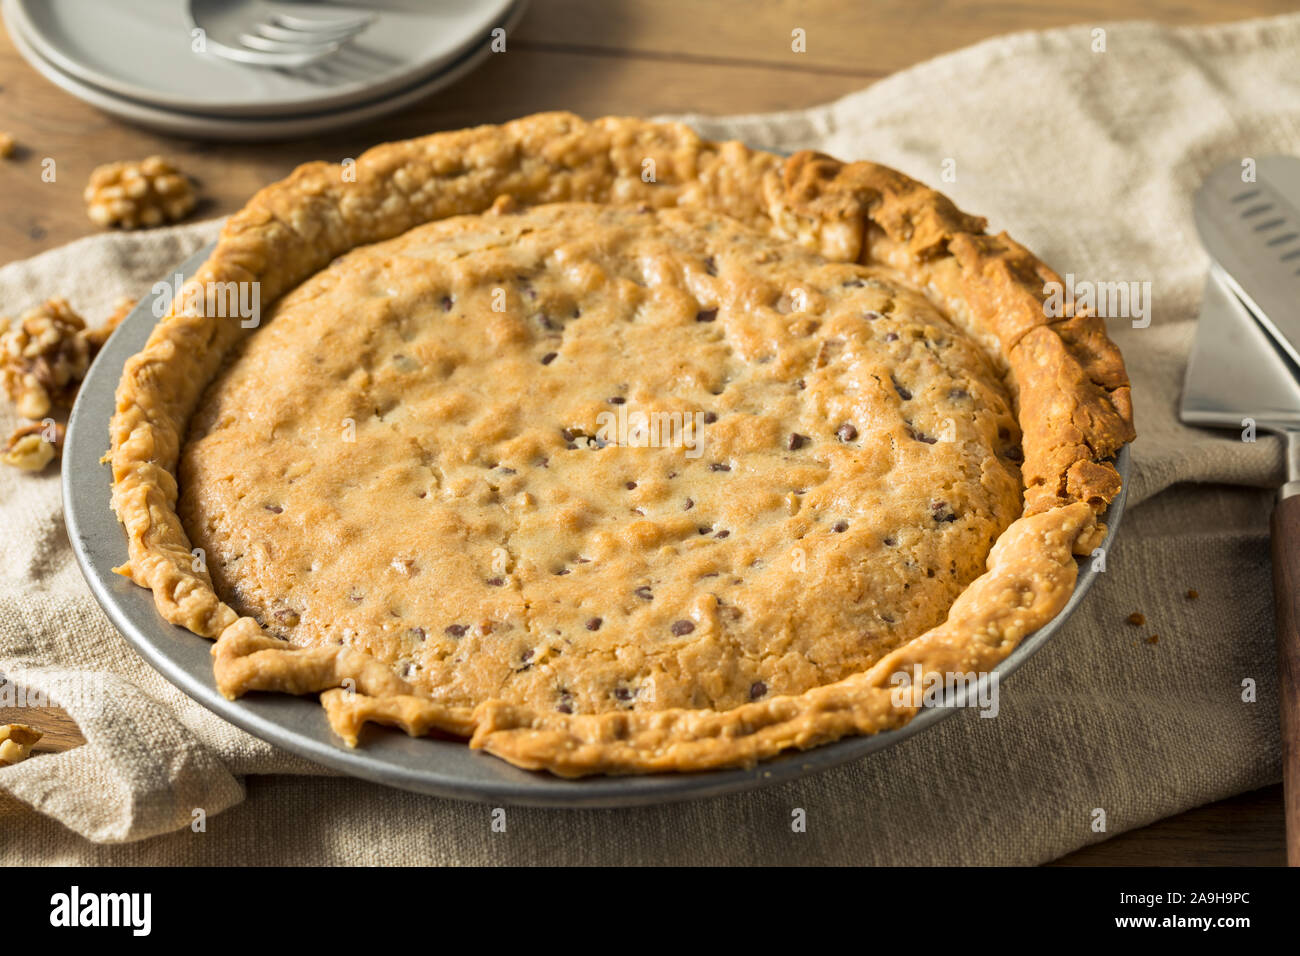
(1286, 593)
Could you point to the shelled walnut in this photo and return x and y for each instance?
(16, 741)
(45, 353)
(147, 193)
(34, 446)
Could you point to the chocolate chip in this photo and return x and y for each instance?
(724, 533)
(846, 432)
(871, 315)
(616, 400)
(719, 466)
(889, 542)
(840, 527)
(623, 693)
(891, 336)
(630, 485)
(549, 357)
(562, 571)
(921, 436)
(710, 265)
(275, 509)
(904, 393)
(796, 441)
(710, 417)
(942, 512)
(457, 630)
(690, 503)
(565, 707)
(594, 624)
(802, 384)
(417, 633)
(706, 315)
(526, 656)
(682, 628)
(496, 582)
(757, 690)
(644, 593)
(446, 303)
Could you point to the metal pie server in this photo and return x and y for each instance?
(1237, 376)
(1252, 230)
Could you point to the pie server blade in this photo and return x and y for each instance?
(1252, 230)
(1235, 372)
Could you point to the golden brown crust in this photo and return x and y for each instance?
(1073, 395)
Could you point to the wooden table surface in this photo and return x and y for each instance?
(597, 57)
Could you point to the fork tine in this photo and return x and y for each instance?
(272, 32)
(285, 61)
(354, 23)
(279, 46)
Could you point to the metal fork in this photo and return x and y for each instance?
(268, 37)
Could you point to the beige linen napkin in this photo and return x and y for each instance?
(1087, 157)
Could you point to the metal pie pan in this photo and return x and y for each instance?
(445, 768)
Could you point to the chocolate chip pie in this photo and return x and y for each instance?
(612, 449)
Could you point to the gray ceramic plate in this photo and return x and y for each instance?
(441, 767)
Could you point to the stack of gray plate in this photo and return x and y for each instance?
(137, 60)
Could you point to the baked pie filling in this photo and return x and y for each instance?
(608, 475)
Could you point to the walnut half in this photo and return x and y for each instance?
(34, 446)
(135, 194)
(45, 353)
(16, 741)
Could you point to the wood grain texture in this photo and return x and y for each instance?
(1286, 592)
(596, 57)
(59, 731)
